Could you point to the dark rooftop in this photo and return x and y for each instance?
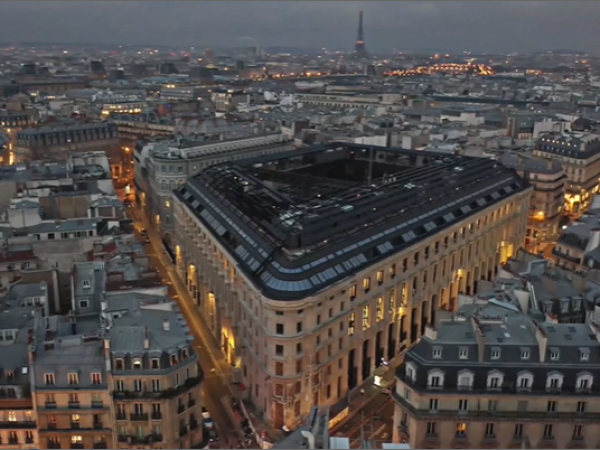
(301, 220)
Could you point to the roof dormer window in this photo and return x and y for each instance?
(554, 354)
(437, 352)
(525, 353)
(495, 353)
(584, 354)
(463, 353)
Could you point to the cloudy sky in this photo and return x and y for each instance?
(457, 25)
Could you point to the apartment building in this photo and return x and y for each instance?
(579, 155)
(578, 246)
(491, 376)
(117, 372)
(547, 200)
(19, 426)
(57, 142)
(316, 266)
(163, 166)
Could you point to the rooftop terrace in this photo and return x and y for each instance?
(301, 220)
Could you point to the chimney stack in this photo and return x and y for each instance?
(166, 325)
(146, 338)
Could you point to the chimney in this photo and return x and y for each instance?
(166, 325)
(147, 338)
(73, 324)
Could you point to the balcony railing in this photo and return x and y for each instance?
(492, 415)
(98, 425)
(50, 405)
(140, 440)
(74, 405)
(121, 416)
(167, 393)
(100, 445)
(5, 424)
(156, 415)
(97, 404)
(52, 444)
(138, 417)
(78, 445)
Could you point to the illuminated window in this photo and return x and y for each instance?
(365, 317)
(351, 323)
(75, 418)
(392, 303)
(352, 292)
(393, 271)
(76, 440)
(403, 294)
(12, 416)
(461, 429)
(73, 378)
(380, 276)
(167, 204)
(380, 309)
(367, 284)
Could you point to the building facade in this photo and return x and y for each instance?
(163, 166)
(493, 377)
(56, 143)
(579, 155)
(308, 316)
(547, 199)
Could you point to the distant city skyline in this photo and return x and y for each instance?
(496, 26)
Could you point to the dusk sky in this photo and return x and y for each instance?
(456, 25)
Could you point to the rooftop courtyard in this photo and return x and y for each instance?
(309, 217)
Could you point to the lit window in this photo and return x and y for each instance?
(351, 323)
(380, 276)
(461, 429)
(367, 284)
(76, 440)
(380, 310)
(73, 379)
(392, 304)
(365, 317)
(352, 292)
(96, 378)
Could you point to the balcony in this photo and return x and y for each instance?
(156, 415)
(97, 404)
(98, 425)
(13, 441)
(138, 417)
(139, 440)
(6, 424)
(154, 438)
(52, 444)
(191, 403)
(75, 426)
(74, 405)
(180, 409)
(490, 416)
(77, 445)
(167, 393)
(50, 405)
(121, 416)
(100, 445)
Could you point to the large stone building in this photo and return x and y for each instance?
(163, 166)
(548, 180)
(57, 142)
(492, 376)
(315, 266)
(579, 155)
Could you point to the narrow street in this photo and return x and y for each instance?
(216, 389)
